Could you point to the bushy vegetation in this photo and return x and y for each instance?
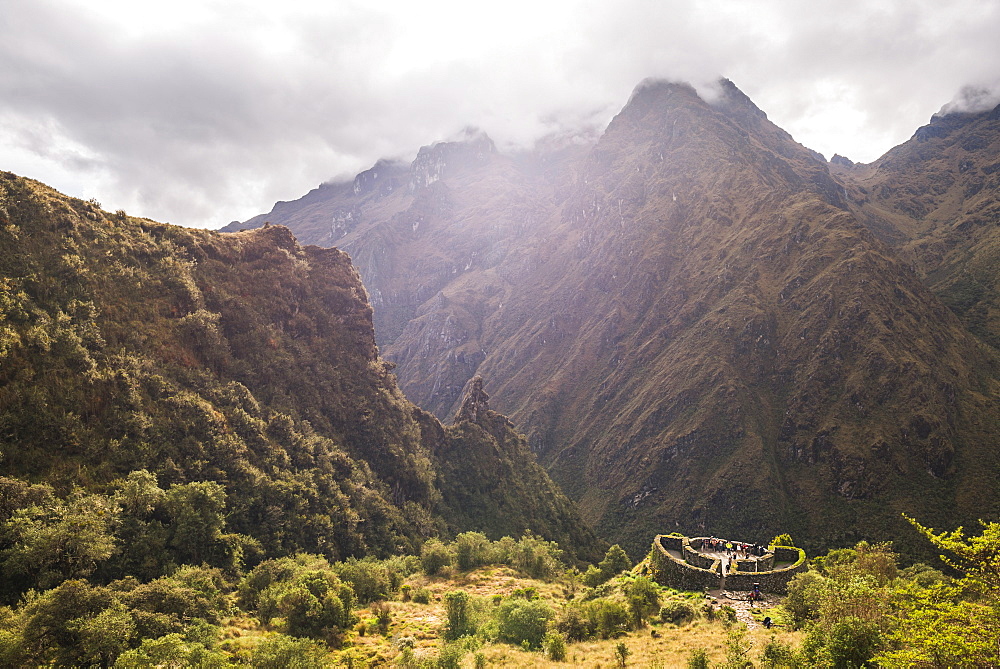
(174, 399)
(245, 361)
(615, 562)
(860, 609)
(855, 608)
(91, 614)
(529, 555)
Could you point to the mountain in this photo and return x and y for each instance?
(243, 359)
(934, 199)
(697, 322)
(453, 218)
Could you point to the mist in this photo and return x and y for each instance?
(213, 111)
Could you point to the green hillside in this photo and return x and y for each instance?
(242, 367)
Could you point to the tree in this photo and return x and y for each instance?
(615, 561)
(173, 650)
(621, 654)
(103, 637)
(783, 540)
(805, 594)
(53, 543)
(523, 621)
(471, 550)
(54, 624)
(434, 556)
(196, 519)
(278, 651)
(643, 597)
(936, 630)
(459, 618)
(978, 557)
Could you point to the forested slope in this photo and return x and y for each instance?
(243, 362)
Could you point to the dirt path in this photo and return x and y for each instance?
(741, 606)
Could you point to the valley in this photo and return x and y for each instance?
(698, 323)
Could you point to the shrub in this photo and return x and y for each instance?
(536, 557)
(279, 651)
(698, 659)
(274, 571)
(778, 655)
(523, 622)
(573, 621)
(615, 562)
(877, 560)
(924, 575)
(528, 592)
(737, 649)
(368, 577)
(677, 612)
(451, 656)
(314, 606)
(472, 549)
(52, 623)
(422, 596)
(434, 556)
(555, 646)
(459, 615)
(852, 641)
(612, 618)
(383, 616)
(805, 594)
(621, 654)
(783, 540)
(171, 650)
(593, 577)
(643, 597)
(502, 550)
(165, 604)
(406, 659)
(304, 591)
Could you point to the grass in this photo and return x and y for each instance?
(656, 645)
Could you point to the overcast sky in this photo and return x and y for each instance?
(199, 112)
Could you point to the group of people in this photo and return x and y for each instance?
(735, 548)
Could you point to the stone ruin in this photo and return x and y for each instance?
(676, 561)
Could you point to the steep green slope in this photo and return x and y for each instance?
(936, 198)
(244, 359)
(717, 344)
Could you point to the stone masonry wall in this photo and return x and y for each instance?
(693, 557)
(673, 572)
(700, 572)
(765, 563)
(775, 580)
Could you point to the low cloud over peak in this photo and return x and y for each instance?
(213, 111)
(973, 100)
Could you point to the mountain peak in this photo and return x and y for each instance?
(725, 96)
(476, 402)
(471, 148)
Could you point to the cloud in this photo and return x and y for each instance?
(210, 111)
(973, 100)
